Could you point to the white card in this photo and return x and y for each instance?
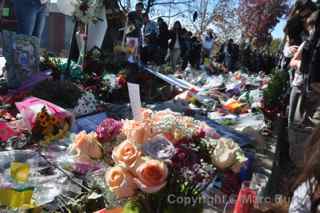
(135, 100)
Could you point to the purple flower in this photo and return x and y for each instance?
(185, 157)
(159, 148)
(108, 130)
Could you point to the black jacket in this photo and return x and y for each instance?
(173, 37)
(163, 35)
(137, 21)
(311, 59)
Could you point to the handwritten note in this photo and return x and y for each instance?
(135, 100)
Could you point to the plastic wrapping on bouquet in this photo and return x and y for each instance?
(246, 199)
(246, 170)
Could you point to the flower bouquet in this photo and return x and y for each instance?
(46, 121)
(89, 150)
(85, 154)
(166, 158)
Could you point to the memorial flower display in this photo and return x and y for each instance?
(165, 154)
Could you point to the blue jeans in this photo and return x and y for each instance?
(31, 17)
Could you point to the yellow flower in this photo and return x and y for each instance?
(54, 120)
(44, 124)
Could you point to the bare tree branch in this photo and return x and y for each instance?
(122, 6)
(149, 5)
(175, 15)
(172, 2)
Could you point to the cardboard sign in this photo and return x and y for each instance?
(135, 100)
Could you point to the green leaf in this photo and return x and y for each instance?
(133, 207)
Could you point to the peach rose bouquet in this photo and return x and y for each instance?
(85, 153)
(164, 154)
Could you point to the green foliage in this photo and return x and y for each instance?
(63, 93)
(228, 122)
(274, 94)
(275, 46)
(133, 207)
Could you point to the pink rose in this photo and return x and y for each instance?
(126, 154)
(151, 175)
(87, 146)
(137, 132)
(120, 182)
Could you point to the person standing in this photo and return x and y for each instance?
(176, 45)
(228, 55)
(306, 190)
(207, 44)
(300, 64)
(135, 23)
(195, 52)
(163, 39)
(150, 38)
(188, 45)
(31, 16)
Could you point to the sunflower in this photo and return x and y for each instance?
(42, 116)
(54, 120)
(44, 123)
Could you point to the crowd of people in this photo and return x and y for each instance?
(177, 46)
(301, 60)
(158, 44)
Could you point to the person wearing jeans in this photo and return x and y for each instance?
(176, 45)
(31, 16)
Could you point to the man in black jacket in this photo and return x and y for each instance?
(163, 39)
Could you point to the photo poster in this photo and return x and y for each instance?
(132, 45)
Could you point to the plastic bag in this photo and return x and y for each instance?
(30, 108)
(44, 183)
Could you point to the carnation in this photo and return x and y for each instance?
(108, 130)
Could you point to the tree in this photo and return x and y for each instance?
(226, 21)
(219, 15)
(259, 17)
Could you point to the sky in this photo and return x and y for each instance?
(278, 30)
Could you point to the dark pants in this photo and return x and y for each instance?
(162, 54)
(150, 53)
(31, 17)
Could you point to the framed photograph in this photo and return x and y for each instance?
(22, 57)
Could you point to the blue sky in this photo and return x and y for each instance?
(278, 30)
